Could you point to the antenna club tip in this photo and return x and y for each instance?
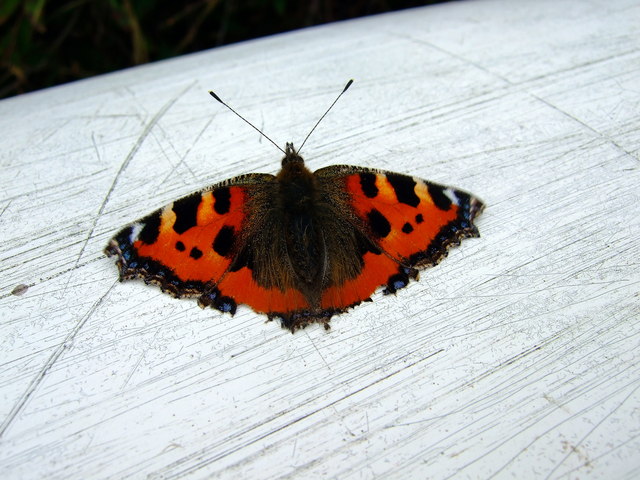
(212, 93)
(347, 85)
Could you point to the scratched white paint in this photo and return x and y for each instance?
(517, 357)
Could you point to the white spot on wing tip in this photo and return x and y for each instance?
(451, 195)
(136, 228)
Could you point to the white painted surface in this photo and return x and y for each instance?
(517, 357)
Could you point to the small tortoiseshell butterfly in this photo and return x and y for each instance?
(301, 246)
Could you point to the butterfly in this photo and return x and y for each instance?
(300, 246)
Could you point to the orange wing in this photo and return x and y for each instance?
(187, 246)
(412, 221)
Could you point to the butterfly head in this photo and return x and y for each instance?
(291, 156)
(296, 181)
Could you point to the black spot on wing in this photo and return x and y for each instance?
(226, 305)
(395, 283)
(400, 279)
(186, 210)
(213, 298)
(223, 243)
(180, 246)
(379, 224)
(368, 184)
(243, 259)
(438, 196)
(195, 253)
(222, 198)
(151, 230)
(419, 218)
(407, 228)
(404, 187)
(365, 245)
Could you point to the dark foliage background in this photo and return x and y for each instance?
(47, 42)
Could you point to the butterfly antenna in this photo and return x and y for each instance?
(247, 121)
(325, 113)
